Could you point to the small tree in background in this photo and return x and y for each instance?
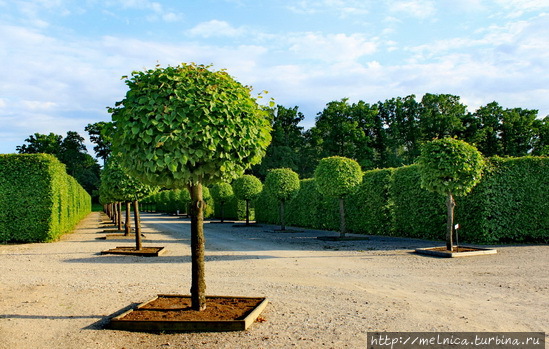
(185, 127)
(282, 183)
(221, 193)
(338, 177)
(450, 167)
(123, 187)
(247, 188)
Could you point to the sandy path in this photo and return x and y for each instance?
(322, 294)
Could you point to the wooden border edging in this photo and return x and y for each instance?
(447, 254)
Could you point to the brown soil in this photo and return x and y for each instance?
(178, 308)
(144, 251)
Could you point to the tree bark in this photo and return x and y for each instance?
(342, 228)
(137, 219)
(119, 215)
(282, 222)
(128, 222)
(198, 286)
(450, 204)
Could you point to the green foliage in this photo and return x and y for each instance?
(38, 201)
(369, 208)
(119, 186)
(510, 204)
(221, 192)
(247, 187)
(186, 124)
(416, 212)
(282, 183)
(337, 176)
(450, 166)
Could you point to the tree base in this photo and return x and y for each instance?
(457, 251)
(132, 251)
(173, 313)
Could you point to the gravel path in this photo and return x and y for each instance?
(322, 294)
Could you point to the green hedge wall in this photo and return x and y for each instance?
(39, 202)
(369, 209)
(511, 204)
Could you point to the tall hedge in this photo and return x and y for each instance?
(510, 204)
(39, 201)
(369, 208)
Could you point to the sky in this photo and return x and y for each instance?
(61, 61)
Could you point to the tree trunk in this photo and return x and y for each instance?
(342, 228)
(450, 204)
(282, 223)
(198, 287)
(119, 215)
(137, 219)
(247, 212)
(128, 223)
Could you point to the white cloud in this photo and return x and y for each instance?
(343, 8)
(515, 8)
(421, 9)
(215, 28)
(331, 47)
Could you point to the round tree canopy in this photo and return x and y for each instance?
(221, 192)
(247, 187)
(183, 125)
(120, 186)
(282, 183)
(337, 176)
(449, 165)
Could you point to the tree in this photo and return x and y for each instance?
(541, 141)
(287, 141)
(247, 188)
(283, 184)
(185, 127)
(39, 143)
(338, 177)
(221, 193)
(441, 115)
(122, 187)
(450, 167)
(100, 134)
(517, 131)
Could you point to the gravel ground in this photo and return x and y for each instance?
(321, 294)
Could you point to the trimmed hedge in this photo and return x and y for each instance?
(510, 204)
(369, 208)
(39, 201)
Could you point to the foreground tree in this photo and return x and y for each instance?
(185, 127)
(282, 183)
(247, 188)
(338, 177)
(450, 167)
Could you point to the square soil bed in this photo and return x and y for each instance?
(144, 252)
(457, 251)
(173, 313)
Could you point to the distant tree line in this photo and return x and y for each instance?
(72, 152)
(389, 133)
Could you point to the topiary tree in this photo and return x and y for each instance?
(338, 177)
(450, 167)
(185, 127)
(221, 193)
(123, 187)
(247, 188)
(283, 184)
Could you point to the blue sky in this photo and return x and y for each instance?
(61, 60)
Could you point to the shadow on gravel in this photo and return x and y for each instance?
(101, 324)
(162, 259)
